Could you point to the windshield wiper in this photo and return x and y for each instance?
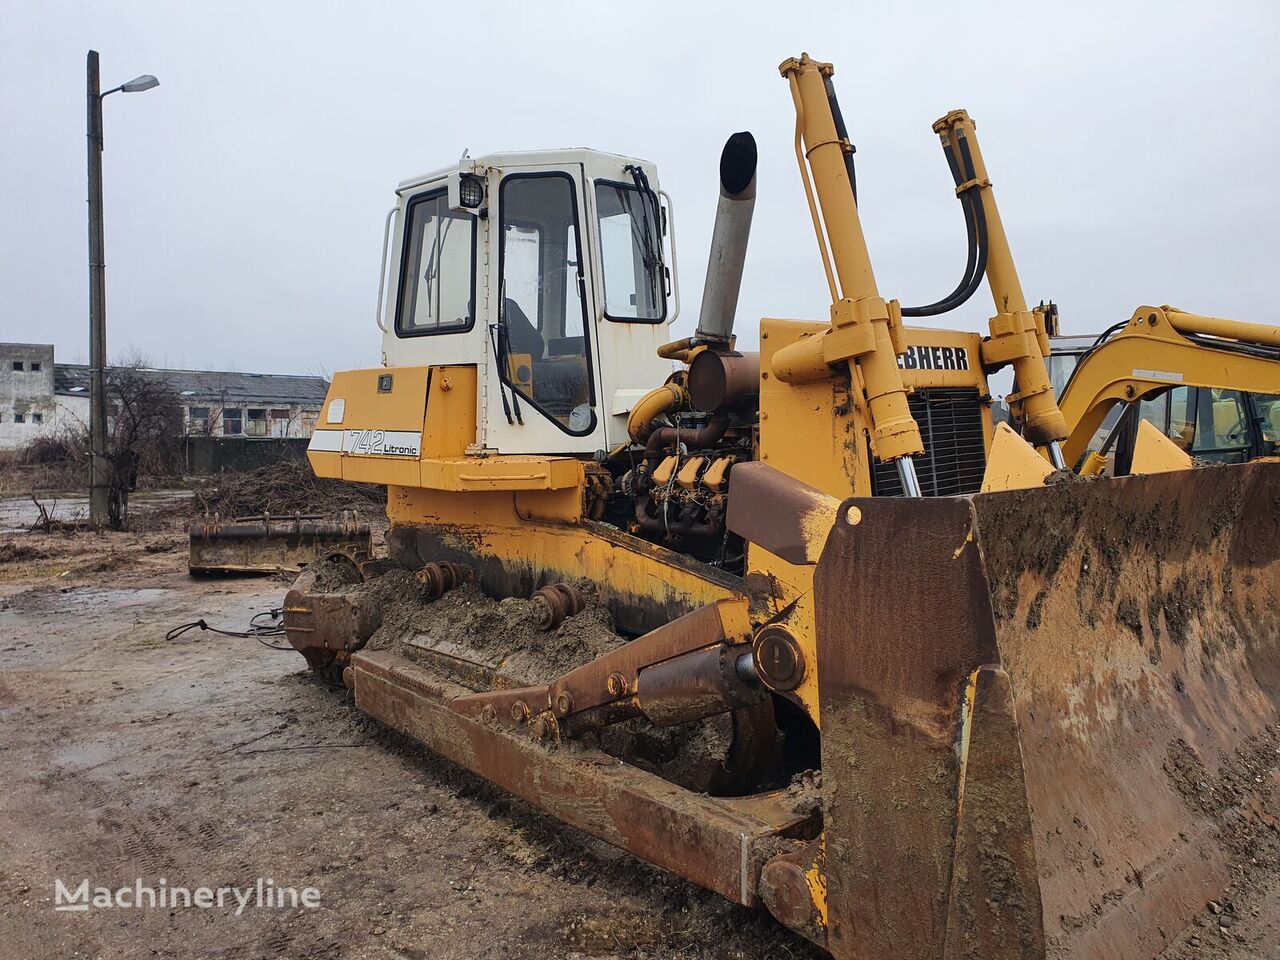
(649, 253)
(501, 350)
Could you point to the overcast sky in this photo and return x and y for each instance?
(1133, 146)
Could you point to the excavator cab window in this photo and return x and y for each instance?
(631, 251)
(542, 336)
(1060, 366)
(1267, 406)
(1209, 423)
(438, 269)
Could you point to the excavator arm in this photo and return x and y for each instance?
(1162, 347)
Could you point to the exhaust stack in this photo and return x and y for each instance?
(729, 239)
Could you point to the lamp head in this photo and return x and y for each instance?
(138, 84)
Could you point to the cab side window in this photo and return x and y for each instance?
(437, 271)
(631, 253)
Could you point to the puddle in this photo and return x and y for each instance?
(20, 513)
(115, 599)
(54, 600)
(80, 755)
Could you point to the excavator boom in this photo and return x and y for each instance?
(1161, 348)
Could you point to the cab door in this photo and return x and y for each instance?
(544, 395)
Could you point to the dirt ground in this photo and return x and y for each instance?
(214, 761)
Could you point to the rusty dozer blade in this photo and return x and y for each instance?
(267, 544)
(1014, 690)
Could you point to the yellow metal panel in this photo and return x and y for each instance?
(563, 506)
(451, 412)
(489, 524)
(379, 469)
(502, 473)
(325, 463)
(355, 403)
(400, 408)
(814, 432)
(1153, 452)
(942, 358)
(1013, 464)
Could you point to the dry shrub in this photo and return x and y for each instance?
(14, 551)
(49, 450)
(289, 486)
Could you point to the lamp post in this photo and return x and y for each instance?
(99, 482)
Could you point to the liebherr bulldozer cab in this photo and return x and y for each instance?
(797, 624)
(546, 270)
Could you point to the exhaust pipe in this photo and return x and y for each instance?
(729, 239)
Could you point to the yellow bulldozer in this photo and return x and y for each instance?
(941, 690)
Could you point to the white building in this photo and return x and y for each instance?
(39, 398)
(27, 407)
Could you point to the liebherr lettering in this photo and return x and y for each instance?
(934, 358)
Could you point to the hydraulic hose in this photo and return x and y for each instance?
(1103, 337)
(975, 218)
(843, 133)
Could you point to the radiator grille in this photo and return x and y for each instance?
(954, 457)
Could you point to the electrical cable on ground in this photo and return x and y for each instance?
(258, 629)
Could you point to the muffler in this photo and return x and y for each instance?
(729, 240)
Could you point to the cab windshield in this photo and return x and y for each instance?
(631, 251)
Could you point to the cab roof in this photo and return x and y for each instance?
(597, 163)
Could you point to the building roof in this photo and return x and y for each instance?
(213, 386)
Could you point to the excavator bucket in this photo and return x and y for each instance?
(1035, 707)
(267, 544)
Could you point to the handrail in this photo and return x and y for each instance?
(675, 260)
(382, 268)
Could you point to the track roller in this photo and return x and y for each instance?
(553, 603)
(439, 577)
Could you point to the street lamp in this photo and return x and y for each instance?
(99, 482)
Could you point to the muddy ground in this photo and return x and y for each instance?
(214, 761)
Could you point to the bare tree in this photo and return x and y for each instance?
(144, 426)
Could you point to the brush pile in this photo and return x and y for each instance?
(286, 487)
